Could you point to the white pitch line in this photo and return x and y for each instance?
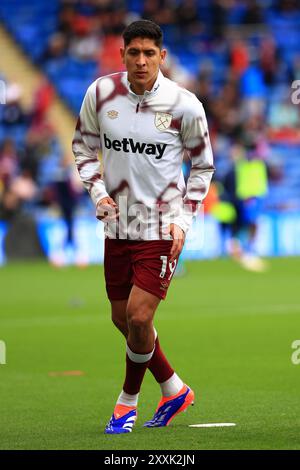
(212, 425)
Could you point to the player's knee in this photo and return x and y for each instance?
(139, 319)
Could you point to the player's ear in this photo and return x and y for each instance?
(122, 53)
(163, 54)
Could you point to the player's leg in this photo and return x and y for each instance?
(141, 337)
(118, 275)
(141, 342)
(159, 366)
(118, 315)
(171, 384)
(141, 307)
(153, 272)
(140, 311)
(118, 279)
(250, 211)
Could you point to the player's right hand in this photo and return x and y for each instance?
(107, 210)
(178, 237)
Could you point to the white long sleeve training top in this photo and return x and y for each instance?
(142, 140)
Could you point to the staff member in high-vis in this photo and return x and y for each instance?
(142, 123)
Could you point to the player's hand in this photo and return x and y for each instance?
(107, 209)
(178, 236)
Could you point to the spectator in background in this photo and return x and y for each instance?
(160, 11)
(21, 239)
(84, 42)
(253, 89)
(187, 18)
(117, 19)
(225, 110)
(284, 120)
(16, 188)
(253, 14)
(23, 187)
(287, 7)
(65, 196)
(109, 56)
(245, 186)
(9, 163)
(268, 60)
(219, 10)
(203, 90)
(239, 57)
(57, 47)
(253, 134)
(42, 100)
(13, 113)
(66, 19)
(37, 149)
(295, 70)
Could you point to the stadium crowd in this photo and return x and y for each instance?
(239, 57)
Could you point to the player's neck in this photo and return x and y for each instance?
(140, 89)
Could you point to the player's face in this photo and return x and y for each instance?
(142, 59)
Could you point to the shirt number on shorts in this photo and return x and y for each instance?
(172, 266)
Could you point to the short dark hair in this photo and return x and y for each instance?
(143, 29)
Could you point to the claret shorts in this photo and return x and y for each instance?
(145, 264)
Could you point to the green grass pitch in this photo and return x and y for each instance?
(227, 332)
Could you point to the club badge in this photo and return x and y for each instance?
(163, 121)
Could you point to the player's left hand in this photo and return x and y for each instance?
(178, 236)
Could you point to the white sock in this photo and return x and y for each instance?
(171, 386)
(139, 358)
(127, 400)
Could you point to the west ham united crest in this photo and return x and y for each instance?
(163, 121)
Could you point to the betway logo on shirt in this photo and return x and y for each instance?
(130, 146)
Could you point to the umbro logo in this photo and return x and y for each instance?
(164, 285)
(130, 146)
(112, 114)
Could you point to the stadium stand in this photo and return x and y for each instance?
(240, 58)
